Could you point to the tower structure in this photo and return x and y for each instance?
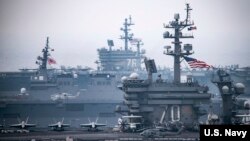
(121, 59)
(42, 61)
(178, 26)
(127, 36)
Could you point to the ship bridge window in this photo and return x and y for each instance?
(175, 113)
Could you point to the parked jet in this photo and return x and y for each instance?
(23, 124)
(59, 126)
(92, 125)
(63, 96)
(156, 132)
(134, 123)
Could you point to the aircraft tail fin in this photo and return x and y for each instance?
(96, 120)
(62, 119)
(27, 120)
(19, 120)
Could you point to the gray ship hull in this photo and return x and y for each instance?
(44, 113)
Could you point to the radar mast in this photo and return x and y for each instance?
(126, 37)
(42, 61)
(177, 52)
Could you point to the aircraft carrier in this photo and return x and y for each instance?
(85, 90)
(158, 99)
(66, 92)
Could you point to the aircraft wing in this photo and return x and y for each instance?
(65, 125)
(56, 125)
(100, 125)
(16, 125)
(86, 125)
(30, 125)
(53, 125)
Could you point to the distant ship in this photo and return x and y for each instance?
(60, 92)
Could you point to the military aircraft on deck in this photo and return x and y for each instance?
(93, 125)
(23, 124)
(59, 126)
(157, 132)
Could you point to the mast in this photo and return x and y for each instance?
(45, 55)
(126, 37)
(177, 52)
(138, 60)
(42, 61)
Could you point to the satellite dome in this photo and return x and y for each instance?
(225, 90)
(23, 91)
(214, 116)
(247, 104)
(239, 88)
(118, 108)
(133, 75)
(124, 78)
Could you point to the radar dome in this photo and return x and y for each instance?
(214, 117)
(124, 78)
(239, 88)
(118, 108)
(23, 91)
(225, 90)
(133, 75)
(247, 104)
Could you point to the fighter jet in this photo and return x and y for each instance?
(59, 126)
(156, 132)
(92, 125)
(23, 124)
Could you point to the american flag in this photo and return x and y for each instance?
(194, 63)
(51, 61)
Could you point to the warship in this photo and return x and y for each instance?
(149, 102)
(158, 101)
(74, 94)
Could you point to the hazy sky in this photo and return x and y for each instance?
(77, 28)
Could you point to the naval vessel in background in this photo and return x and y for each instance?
(153, 98)
(75, 94)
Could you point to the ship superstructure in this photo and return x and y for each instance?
(159, 101)
(122, 59)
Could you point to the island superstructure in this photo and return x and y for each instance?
(160, 101)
